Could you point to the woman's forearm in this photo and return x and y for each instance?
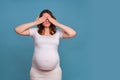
(21, 28)
(69, 31)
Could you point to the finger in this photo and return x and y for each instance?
(49, 17)
(44, 17)
(37, 17)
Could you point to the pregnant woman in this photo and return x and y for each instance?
(45, 60)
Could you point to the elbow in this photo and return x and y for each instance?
(17, 30)
(73, 34)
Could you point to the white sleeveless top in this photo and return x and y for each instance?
(45, 55)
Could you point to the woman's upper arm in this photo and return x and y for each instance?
(25, 33)
(28, 32)
(63, 34)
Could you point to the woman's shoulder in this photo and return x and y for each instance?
(59, 30)
(33, 31)
(34, 28)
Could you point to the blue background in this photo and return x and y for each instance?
(92, 55)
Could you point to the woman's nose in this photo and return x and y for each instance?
(47, 20)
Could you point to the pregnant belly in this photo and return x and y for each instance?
(45, 60)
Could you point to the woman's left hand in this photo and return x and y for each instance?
(68, 32)
(53, 21)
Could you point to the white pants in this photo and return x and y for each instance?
(55, 74)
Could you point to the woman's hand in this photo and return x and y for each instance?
(40, 20)
(53, 21)
(68, 32)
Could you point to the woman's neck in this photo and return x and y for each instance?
(46, 31)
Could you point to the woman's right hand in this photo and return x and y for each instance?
(40, 20)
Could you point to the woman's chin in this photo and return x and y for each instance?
(47, 25)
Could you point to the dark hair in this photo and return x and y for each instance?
(41, 27)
